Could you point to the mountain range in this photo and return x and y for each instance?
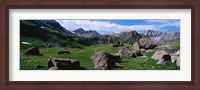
(90, 33)
(51, 32)
(162, 37)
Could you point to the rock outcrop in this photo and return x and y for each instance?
(103, 60)
(124, 52)
(136, 46)
(32, 51)
(146, 43)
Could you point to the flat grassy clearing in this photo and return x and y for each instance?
(28, 62)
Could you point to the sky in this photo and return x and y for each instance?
(118, 26)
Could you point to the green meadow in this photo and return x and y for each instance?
(28, 62)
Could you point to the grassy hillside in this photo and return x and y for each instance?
(36, 35)
(28, 62)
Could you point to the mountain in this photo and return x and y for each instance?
(84, 33)
(49, 24)
(162, 37)
(129, 37)
(114, 34)
(48, 33)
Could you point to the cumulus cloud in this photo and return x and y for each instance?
(104, 27)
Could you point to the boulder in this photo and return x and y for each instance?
(103, 60)
(118, 44)
(159, 54)
(63, 52)
(161, 61)
(178, 61)
(32, 51)
(136, 53)
(142, 50)
(175, 56)
(171, 50)
(146, 43)
(64, 64)
(124, 52)
(149, 50)
(136, 46)
(54, 68)
(166, 57)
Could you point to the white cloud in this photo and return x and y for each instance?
(103, 26)
(164, 23)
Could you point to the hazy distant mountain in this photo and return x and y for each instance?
(84, 33)
(114, 34)
(162, 37)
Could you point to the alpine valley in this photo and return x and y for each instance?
(150, 50)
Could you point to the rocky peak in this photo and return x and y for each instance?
(89, 33)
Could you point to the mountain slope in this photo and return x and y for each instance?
(130, 37)
(49, 24)
(47, 35)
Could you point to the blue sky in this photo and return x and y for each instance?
(118, 26)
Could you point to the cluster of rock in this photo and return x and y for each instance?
(56, 63)
(103, 60)
(125, 52)
(167, 54)
(63, 64)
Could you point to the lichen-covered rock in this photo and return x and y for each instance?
(136, 46)
(146, 43)
(124, 52)
(159, 54)
(103, 60)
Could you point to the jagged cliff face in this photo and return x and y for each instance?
(162, 37)
(82, 32)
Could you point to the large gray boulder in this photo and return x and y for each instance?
(64, 64)
(136, 46)
(164, 59)
(146, 43)
(159, 54)
(32, 51)
(124, 52)
(103, 60)
(178, 61)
